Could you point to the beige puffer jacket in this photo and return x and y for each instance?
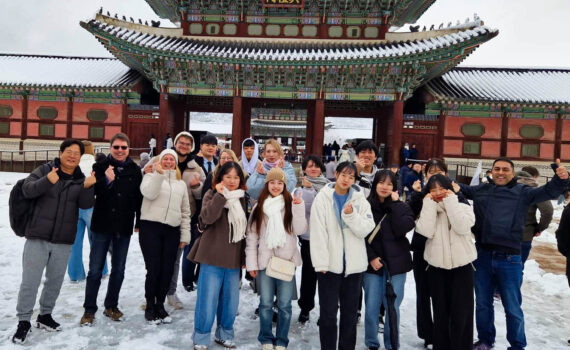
(447, 226)
(165, 200)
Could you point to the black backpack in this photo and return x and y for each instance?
(21, 209)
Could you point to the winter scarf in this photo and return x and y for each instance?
(268, 166)
(275, 235)
(236, 216)
(250, 165)
(318, 182)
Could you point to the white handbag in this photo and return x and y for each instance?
(281, 269)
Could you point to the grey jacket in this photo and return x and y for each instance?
(57, 205)
(545, 208)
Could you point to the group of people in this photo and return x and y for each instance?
(212, 214)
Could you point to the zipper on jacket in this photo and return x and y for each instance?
(473, 266)
(169, 197)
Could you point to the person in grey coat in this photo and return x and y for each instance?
(60, 190)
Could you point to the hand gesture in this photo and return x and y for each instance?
(281, 162)
(195, 180)
(158, 168)
(449, 193)
(148, 168)
(417, 186)
(306, 183)
(359, 165)
(562, 173)
(428, 196)
(456, 187)
(110, 173)
(90, 181)
(220, 188)
(261, 168)
(348, 209)
(395, 196)
(253, 273)
(52, 175)
(376, 264)
(297, 198)
(182, 244)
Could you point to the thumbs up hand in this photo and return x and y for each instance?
(52, 176)
(90, 181)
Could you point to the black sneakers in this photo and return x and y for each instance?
(46, 322)
(161, 313)
(24, 327)
(303, 317)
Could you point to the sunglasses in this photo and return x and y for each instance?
(121, 147)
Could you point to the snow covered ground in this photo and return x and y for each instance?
(546, 305)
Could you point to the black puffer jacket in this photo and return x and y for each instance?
(117, 203)
(390, 243)
(57, 205)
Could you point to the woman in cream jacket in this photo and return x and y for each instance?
(164, 227)
(446, 222)
(340, 220)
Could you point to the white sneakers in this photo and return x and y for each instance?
(267, 347)
(228, 344)
(279, 347)
(174, 302)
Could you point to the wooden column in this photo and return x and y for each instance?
(68, 130)
(125, 116)
(246, 120)
(441, 132)
(558, 136)
(317, 136)
(383, 30)
(178, 108)
(163, 110)
(397, 124)
(309, 128)
(379, 125)
(237, 124)
(24, 133)
(504, 133)
(184, 24)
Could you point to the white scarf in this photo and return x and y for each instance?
(236, 215)
(250, 165)
(275, 235)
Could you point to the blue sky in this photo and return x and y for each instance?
(532, 33)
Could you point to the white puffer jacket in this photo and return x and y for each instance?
(331, 239)
(165, 200)
(86, 164)
(447, 226)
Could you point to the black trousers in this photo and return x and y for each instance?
(568, 270)
(424, 321)
(190, 269)
(453, 302)
(308, 279)
(159, 245)
(334, 289)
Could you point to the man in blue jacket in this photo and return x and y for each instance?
(500, 212)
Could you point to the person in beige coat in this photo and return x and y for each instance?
(446, 222)
(274, 225)
(164, 228)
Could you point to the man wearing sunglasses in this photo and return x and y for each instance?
(117, 202)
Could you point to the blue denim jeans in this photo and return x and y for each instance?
(75, 268)
(100, 243)
(504, 271)
(374, 295)
(218, 296)
(525, 251)
(268, 288)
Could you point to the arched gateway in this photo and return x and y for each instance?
(334, 57)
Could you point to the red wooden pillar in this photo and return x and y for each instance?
(558, 136)
(397, 125)
(441, 132)
(237, 124)
(125, 116)
(316, 137)
(504, 133)
(309, 128)
(163, 111)
(69, 116)
(24, 133)
(184, 23)
(383, 30)
(245, 121)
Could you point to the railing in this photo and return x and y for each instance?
(464, 174)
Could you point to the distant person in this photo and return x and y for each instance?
(415, 174)
(330, 167)
(168, 144)
(145, 157)
(343, 155)
(152, 145)
(413, 152)
(488, 176)
(60, 190)
(405, 153)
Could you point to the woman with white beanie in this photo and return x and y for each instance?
(164, 227)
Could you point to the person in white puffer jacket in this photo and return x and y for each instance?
(164, 227)
(446, 221)
(340, 220)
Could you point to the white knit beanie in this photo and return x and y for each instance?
(185, 134)
(168, 151)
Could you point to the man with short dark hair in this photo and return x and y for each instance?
(60, 190)
(500, 211)
(366, 154)
(117, 204)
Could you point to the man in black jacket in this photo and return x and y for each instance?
(500, 208)
(118, 201)
(60, 189)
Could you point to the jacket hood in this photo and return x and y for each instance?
(186, 134)
(354, 190)
(526, 179)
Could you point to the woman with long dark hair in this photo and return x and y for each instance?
(388, 247)
(220, 251)
(274, 224)
(446, 222)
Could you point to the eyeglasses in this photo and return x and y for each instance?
(121, 147)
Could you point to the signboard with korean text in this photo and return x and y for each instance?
(283, 3)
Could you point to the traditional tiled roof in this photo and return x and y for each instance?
(285, 51)
(517, 85)
(39, 71)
